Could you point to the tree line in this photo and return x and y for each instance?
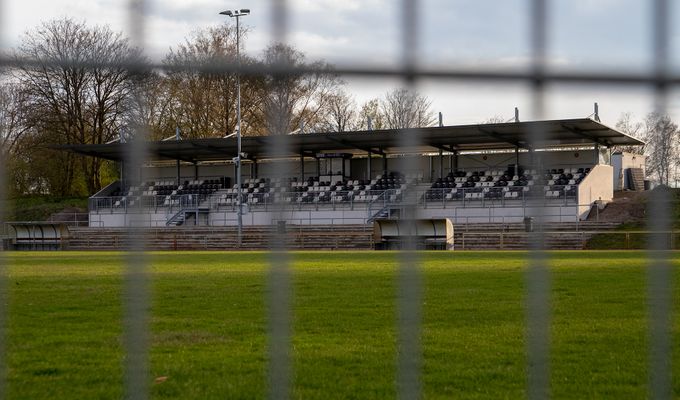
(662, 144)
(65, 96)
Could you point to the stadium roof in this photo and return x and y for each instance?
(557, 133)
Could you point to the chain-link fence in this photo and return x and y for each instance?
(410, 281)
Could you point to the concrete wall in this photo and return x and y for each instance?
(120, 219)
(621, 162)
(508, 214)
(459, 215)
(597, 185)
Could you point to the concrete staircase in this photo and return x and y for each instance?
(636, 178)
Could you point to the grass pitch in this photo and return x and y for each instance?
(208, 326)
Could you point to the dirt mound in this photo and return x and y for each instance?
(627, 207)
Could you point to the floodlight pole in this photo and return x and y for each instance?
(239, 190)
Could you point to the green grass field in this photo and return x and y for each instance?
(208, 326)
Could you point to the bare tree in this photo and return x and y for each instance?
(662, 146)
(340, 113)
(69, 100)
(636, 129)
(405, 109)
(151, 107)
(203, 104)
(13, 148)
(12, 126)
(370, 110)
(295, 100)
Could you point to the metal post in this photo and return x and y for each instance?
(441, 164)
(384, 162)
(238, 134)
(516, 114)
(195, 170)
(178, 167)
(302, 168)
(368, 170)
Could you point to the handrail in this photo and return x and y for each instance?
(383, 197)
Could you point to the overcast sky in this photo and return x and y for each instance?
(583, 34)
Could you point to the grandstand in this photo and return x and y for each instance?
(468, 174)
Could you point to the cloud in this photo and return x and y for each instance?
(327, 6)
(583, 34)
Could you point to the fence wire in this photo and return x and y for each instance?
(136, 290)
(409, 278)
(3, 261)
(537, 273)
(659, 281)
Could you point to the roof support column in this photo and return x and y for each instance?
(343, 168)
(302, 167)
(368, 167)
(196, 170)
(179, 173)
(596, 161)
(517, 161)
(253, 169)
(235, 174)
(441, 163)
(318, 166)
(454, 161)
(384, 163)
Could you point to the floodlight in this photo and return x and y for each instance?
(227, 13)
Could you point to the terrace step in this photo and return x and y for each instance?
(355, 237)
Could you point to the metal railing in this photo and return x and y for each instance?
(500, 196)
(372, 199)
